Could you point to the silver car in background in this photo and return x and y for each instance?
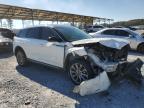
(136, 40)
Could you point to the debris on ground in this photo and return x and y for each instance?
(129, 70)
(98, 84)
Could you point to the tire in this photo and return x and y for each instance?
(79, 70)
(21, 58)
(141, 48)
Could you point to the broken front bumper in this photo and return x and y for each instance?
(112, 67)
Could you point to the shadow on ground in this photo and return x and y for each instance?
(122, 95)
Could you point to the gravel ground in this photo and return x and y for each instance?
(37, 86)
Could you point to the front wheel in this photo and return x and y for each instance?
(79, 70)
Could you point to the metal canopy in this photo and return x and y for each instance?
(15, 12)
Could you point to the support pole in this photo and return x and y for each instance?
(73, 21)
(1, 22)
(92, 21)
(109, 22)
(57, 18)
(99, 21)
(23, 23)
(39, 22)
(32, 22)
(32, 17)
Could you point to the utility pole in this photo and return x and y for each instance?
(1, 22)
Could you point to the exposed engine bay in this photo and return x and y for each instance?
(109, 54)
(106, 54)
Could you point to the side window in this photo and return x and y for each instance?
(122, 33)
(56, 35)
(109, 32)
(47, 32)
(33, 33)
(22, 33)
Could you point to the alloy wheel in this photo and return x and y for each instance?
(78, 73)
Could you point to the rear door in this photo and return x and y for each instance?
(21, 40)
(30, 43)
(122, 34)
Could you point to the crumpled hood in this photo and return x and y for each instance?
(112, 43)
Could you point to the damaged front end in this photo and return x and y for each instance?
(110, 56)
(105, 54)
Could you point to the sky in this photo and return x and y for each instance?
(119, 10)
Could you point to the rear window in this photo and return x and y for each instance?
(30, 33)
(33, 33)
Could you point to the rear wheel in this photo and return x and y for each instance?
(79, 70)
(141, 48)
(21, 58)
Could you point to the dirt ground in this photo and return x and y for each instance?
(37, 86)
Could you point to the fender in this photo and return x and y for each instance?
(74, 53)
(17, 48)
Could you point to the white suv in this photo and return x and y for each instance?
(69, 48)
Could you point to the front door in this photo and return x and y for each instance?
(51, 51)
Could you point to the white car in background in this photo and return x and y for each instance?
(6, 41)
(94, 28)
(136, 41)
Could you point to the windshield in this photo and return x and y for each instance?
(72, 33)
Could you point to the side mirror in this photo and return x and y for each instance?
(52, 39)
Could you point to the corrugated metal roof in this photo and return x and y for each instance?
(15, 12)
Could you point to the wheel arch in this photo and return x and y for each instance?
(71, 57)
(17, 48)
